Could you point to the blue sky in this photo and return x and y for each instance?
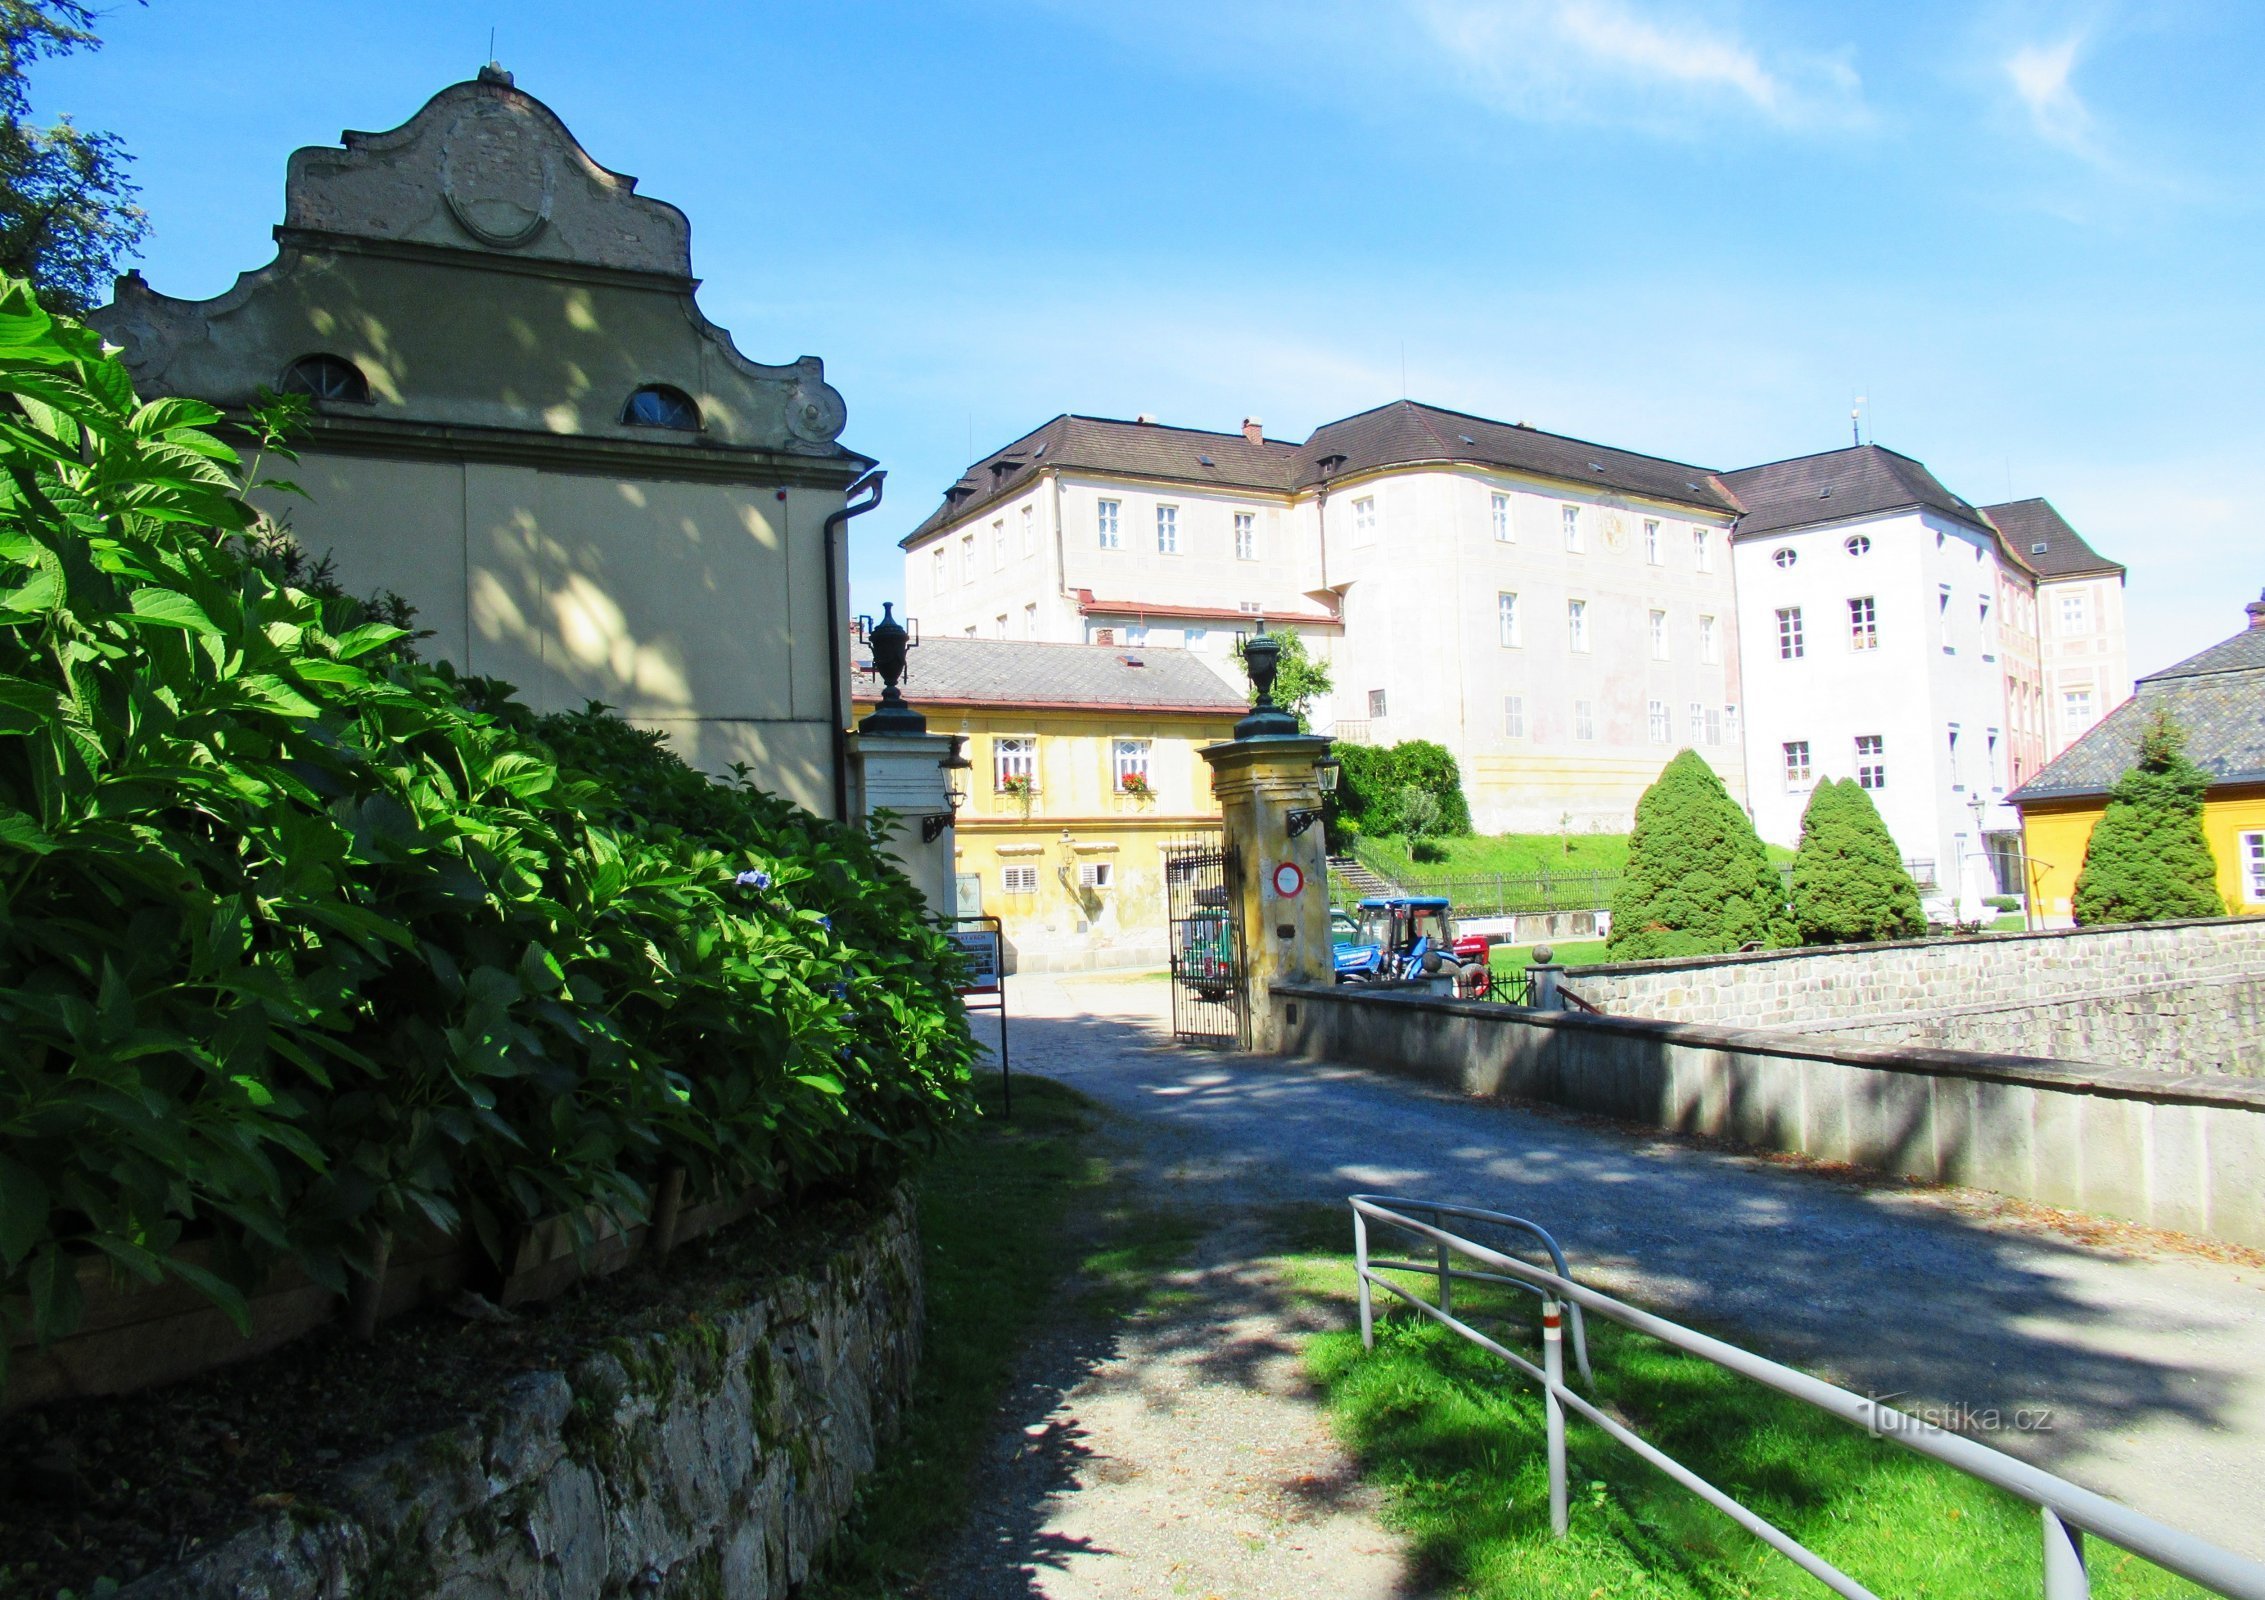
(2029, 234)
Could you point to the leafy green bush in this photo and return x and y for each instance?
(1849, 881)
(1374, 781)
(302, 939)
(2148, 858)
(1698, 881)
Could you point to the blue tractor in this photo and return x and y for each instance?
(1406, 937)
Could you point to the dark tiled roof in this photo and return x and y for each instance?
(2041, 536)
(1861, 481)
(2216, 696)
(1023, 672)
(1403, 433)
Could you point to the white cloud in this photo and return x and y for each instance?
(1608, 60)
(2040, 75)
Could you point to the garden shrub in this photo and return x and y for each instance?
(1849, 882)
(302, 939)
(1374, 780)
(2148, 858)
(1698, 881)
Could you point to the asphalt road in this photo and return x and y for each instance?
(2145, 1355)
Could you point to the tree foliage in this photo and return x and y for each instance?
(1698, 881)
(1299, 679)
(67, 212)
(302, 940)
(2148, 858)
(1849, 881)
(1374, 781)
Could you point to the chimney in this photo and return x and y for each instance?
(2256, 610)
(1254, 430)
(1146, 417)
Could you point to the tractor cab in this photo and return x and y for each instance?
(1408, 937)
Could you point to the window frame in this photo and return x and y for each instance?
(1863, 622)
(670, 396)
(1018, 877)
(1108, 529)
(1130, 753)
(1576, 535)
(1871, 765)
(2249, 865)
(1702, 548)
(1657, 722)
(1577, 627)
(1498, 509)
(1710, 641)
(1246, 536)
(297, 378)
(1797, 764)
(1003, 759)
(1513, 716)
(1167, 528)
(1652, 556)
(1509, 624)
(1364, 519)
(1656, 622)
(1792, 637)
(1585, 721)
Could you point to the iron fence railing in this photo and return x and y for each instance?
(2066, 1511)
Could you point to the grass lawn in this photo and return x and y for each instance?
(1019, 1226)
(1514, 855)
(1455, 1437)
(1571, 953)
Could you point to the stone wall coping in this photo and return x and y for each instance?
(2069, 1077)
(1665, 964)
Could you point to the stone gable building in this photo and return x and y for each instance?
(523, 422)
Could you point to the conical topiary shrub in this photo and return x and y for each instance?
(2148, 859)
(1849, 884)
(1698, 881)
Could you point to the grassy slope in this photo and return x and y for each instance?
(1518, 855)
(1456, 1438)
(1571, 953)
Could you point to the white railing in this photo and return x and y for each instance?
(2065, 1510)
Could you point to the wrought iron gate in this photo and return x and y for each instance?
(1210, 972)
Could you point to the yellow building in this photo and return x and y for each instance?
(1086, 765)
(2218, 699)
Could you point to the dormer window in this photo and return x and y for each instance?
(326, 377)
(659, 406)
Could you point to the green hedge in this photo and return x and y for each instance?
(1373, 779)
(302, 939)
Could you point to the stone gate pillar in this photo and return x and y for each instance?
(897, 765)
(1263, 776)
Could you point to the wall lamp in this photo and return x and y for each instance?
(1326, 769)
(956, 768)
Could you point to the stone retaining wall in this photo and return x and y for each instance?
(2176, 996)
(709, 1463)
(2179, 1151)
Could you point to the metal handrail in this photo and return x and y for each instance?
(1446, 1275)
(2066, 1511)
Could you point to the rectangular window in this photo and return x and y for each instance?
(1984, 603)
(1019, 880)
(1506, 617)
(1250, 608)
(1168, 530)
(2076, 613)
(1096, 874)
(1014, 762)
(1584, 719)
(1246, 536)
(1376, 703)
(2249, 848)
(1714, 725)
(1698, 721)
(1942, 600)
(1136, 633)
(1796, 762)
(1710, 648)
(1577, 624)
(1702, 548)
(1128, 765)
(1514, 716)
(1789, 644)
(999, 626)
(1571, 516)
(1871, 760)
(1501, 506)
(1651, 541)
(999, 545)
(1030, 530)
(1364, 520)
(942, 576)
(1030, 620)
(1196, 638)
(1659, 729)
(967, 558)
(2076, 707)
(1863, 624)
(1659, 635)
(1105, 523)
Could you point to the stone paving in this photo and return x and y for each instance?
(1137, 1457)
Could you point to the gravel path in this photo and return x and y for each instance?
(1149, 1471)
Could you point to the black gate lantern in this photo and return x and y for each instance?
(889, 642)
(1262, 658)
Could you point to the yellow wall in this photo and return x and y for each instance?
(2054, 840)
(1076, 817)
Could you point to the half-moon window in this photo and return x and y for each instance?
(658, 406)
(326, 377)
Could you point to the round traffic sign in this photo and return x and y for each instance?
(1288, 880)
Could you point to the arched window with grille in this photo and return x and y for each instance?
(326, 377)
(656, 405)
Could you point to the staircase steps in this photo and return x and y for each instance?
(1365, 883)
